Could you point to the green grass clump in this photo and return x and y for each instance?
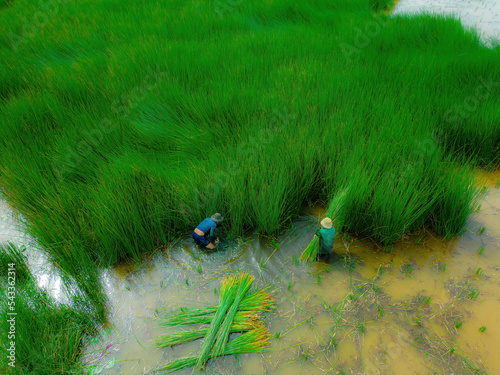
(10, 255)
(48, 336)
(118, 136)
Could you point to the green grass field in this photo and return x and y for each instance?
(125, 123)
(43, 337)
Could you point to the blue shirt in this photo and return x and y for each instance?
(207, 224)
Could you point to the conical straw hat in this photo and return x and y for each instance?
(326, 223)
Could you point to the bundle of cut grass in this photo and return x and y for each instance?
(241, 316)
(225, 328)
(230, 291)
(183, 337)
(335, 212)
(236, 312)
(255, 303)
(254, 341)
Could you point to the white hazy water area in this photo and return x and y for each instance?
(484, 16)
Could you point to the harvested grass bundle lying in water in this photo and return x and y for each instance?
(240, 316)
(255, 303)
(236, 312)
(259, 301)
(245, 281)
(335, 212)
(254, 341)
(183, 337)
(227, 296)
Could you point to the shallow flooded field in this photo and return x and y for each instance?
(424, 306)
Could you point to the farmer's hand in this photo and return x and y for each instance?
(314, 237)
(217, 240)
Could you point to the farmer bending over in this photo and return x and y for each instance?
(205, 226)
(326, 235)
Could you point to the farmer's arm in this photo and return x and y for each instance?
(213, 225)
(211, 238)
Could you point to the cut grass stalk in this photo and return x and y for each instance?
(253, 341)
(188, 317)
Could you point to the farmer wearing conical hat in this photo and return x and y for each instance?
(207, 226)
(326, 235)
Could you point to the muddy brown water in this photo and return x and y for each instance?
(417, 308)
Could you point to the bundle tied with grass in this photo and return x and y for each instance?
(237, 312)
(245, 281)
(182, 337)
(229, 292)
(253, 341)
(240, 317)
(254, 303)
(336, 211)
